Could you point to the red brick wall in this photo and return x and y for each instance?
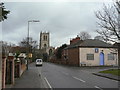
(74, 40)
(3, 71)
(73, 56)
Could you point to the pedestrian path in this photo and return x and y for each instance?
(110, 76)
(30, 79)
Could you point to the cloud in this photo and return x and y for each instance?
(62, 20)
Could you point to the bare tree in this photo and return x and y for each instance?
(6, 47)
(99, 38)
(109, 22)
(31, 44)
(84, 35)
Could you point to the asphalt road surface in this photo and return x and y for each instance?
(59, 76)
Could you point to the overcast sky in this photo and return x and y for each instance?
(64, 20)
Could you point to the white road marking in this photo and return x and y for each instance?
(47, 82)
(79, 79)
(65, 73)
(98, 87)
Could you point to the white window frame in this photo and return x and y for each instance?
(87, 57)
(111, 56)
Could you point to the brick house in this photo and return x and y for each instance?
(90, 52)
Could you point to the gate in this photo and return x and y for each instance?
(8, 72)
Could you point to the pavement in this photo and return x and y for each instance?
(110, 76)
(31, 78)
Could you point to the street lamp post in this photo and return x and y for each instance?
(28, 39)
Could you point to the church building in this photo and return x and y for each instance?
(44, 40)
(44, 44)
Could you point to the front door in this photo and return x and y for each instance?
(101, 58)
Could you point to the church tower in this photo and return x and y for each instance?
(44, 40)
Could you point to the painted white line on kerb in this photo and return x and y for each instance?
(98, 87)
(79, 79)
(65, 73)
(114, 80)
(47, 82)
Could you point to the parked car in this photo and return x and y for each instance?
(39, 62)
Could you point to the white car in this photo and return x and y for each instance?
(38, 62)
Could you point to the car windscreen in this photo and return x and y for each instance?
(38, 60)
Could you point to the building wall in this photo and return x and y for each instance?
(83, 56)
(48, 50)
(73, 56)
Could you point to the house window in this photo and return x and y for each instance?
(111, 57)
(90, 56)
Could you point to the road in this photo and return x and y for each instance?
(59, 76)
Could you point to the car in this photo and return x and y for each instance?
(38, 62)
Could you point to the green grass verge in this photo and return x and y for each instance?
(112, 71)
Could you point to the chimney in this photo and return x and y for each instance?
(74, 40)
